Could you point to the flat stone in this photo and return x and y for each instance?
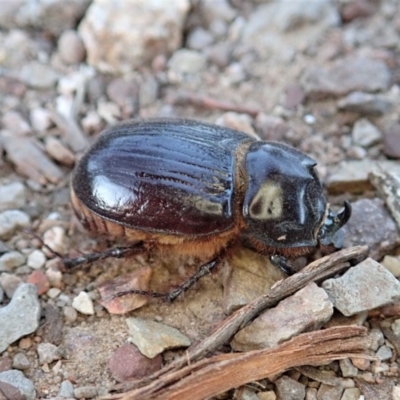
(248, 276)
(9, 283)
(152, 338)
(289, 389)
(353, 176)
(48, 353)
(347, 368)
(364, 287)
(20, 317)
(66, 389)
(127, 362)
(365, 133)
(185, 61)
(365, 103)
(344, 76)
(86, 392)
(21, 362)
(38, 76)
(308, 309)
(351, 394)
(22, 386)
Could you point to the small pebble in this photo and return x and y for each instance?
(127, 362)
(56, 239)
(384, 353)
(83, 303)
(12, 196)
(36, 259)
(85, 392)
(39, 279)
(53, 293)
(11, 260)
(365, 133)
(391, 142)
(21, 362)
(392, 264)
(57, 150)
(185, 61)
(66, 390)
(71, 48)
(70, 314)
(40, 119)
(10, 221)
(9, 283)
(48, 353)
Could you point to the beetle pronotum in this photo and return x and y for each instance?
(198, 189)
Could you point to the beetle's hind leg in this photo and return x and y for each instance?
(204, 270)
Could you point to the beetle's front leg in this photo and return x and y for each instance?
(283, 264)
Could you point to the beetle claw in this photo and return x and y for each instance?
(328, 234)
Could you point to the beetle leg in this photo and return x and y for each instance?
(283, 264)
(117, 252)
(204, 270)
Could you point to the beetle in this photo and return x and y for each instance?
(198, 189)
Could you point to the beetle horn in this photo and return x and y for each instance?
(328, 233)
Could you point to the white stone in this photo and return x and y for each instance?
(36, 259)
(83, 304)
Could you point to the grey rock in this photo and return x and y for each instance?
(152, 338)
(365, 133)
(10, 221)
(21, 362)
(384, 353)
(11, 260)
(308, 309)
(17, 379)
(38, 75)
(66, 389)
(365, 103)
(329, 392)
(221, 9)
(347, 368)
(148, 91)
(20, 317)
(289, 389)
(145, 28)
(12, 195)
(54, 16)
(364, 287)
(199, 38)
(185, 61)
(344, 76)
(391, 142)
(351, 394)
(48, 353)
(377, 339)
(86, 392)
(388, 185)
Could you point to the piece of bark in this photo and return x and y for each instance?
(218, 374)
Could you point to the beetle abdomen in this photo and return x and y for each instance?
(170, 177)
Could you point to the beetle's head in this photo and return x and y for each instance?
(284, 205)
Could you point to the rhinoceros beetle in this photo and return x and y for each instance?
(198, 189)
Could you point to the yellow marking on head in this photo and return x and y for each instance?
(268, 202)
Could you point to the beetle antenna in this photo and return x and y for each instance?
(333, 222)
